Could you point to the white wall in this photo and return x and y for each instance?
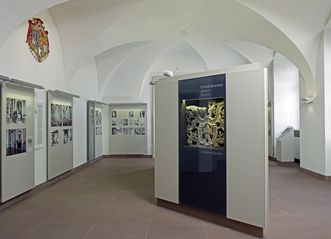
(312, 122)
(79, 131)
(16, 61)
(286, 95)
(327, 92)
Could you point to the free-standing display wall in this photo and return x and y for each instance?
(17, 150)
(98, 116)
(60, 134)
(90, 130)
(211, 143)
(128, 129)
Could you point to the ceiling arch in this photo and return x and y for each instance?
(89, 28)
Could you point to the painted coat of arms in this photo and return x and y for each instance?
(37, 39)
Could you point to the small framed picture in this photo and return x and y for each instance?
(114, 114)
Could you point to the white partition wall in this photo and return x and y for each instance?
(166, 141)
(17, 148)
(79, 131)
(40, 125)
(60, 134)
(99, 117)
(247, 164)
(128, 129)
(246, 142)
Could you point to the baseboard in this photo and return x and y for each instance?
(316, 175)
(46, 184)
(128, 156)
(213, 217)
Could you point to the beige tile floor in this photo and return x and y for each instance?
(114, 199)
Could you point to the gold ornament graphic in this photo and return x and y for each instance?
(205, 125)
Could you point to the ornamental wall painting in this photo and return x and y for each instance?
(205, 125)
(37, 39)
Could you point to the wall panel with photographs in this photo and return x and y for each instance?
(17, 154)
(60, 145)
(128, 129)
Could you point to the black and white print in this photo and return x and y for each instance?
(16, 141)
(67, 115)
(139, 131)
(56, 115)
(16, 111)
(65, 136)
(55, 138)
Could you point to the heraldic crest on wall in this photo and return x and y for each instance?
(37, 39)
(205, 125)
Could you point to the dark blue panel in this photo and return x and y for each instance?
(202, 169)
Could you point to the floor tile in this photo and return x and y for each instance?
(60, 231)
(110, 231)
(176, 232)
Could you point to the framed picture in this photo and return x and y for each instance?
(128, 131)
(70, 135)
(98, 117)
(98, 130)
(116, 131)
(16, 111)
(65, 136)
(16, 141)
(125, 122)
(114, 114)
(142, 114)
(67, 115)
(131, 114)
(55, 138)
(56, 115)
(139, 131)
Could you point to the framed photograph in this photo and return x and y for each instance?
(67, 115)
(16, 141)
(114, 114)
(117, 122)
(70, 135)
(116, 131)
(56, 115)
(16, 111)
(98, 117)
(125, 122)
(131, 114)
(55, 138)
(128, 131)
(139, 131)
(65, 136)
(98, 130)
(141, 122)
(136, 122)
(131, 122)
(142, 114)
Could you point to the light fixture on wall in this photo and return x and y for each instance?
(168, 73)
(307, 100)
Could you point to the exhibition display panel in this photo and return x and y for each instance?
(90, 130)
(60, 138)
(17, 148)
(128, 129)
(98, 129)
(202, 153)
(211, 146)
